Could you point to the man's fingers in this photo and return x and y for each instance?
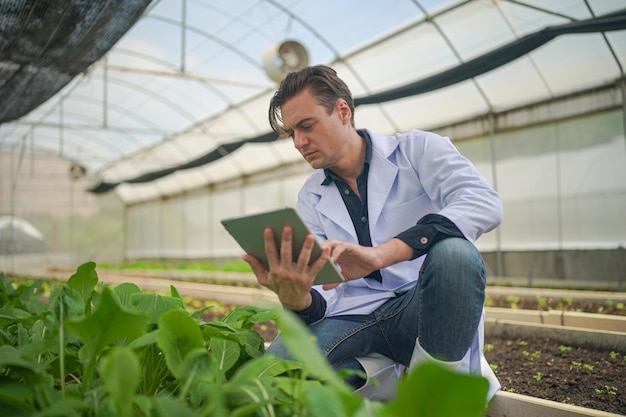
(305, 253)
(270, 247)
(257, 268)
(286, 255)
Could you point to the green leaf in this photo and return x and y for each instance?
(211, 396)
(84, 281)
(225, 352)
(120, 372)
(178, 335)
(322, 401)
(21, 362)
(6, 289)
(434, 391)
(64, 407)
(262, 367)
(300, 343)
(125, 292)
(168, 407)
(253, 343)
(246, 316)
(197, 368)
(144, 340)
(174, 292)
(108, 323)
(155, 305)
(66, 303)
(16, 399)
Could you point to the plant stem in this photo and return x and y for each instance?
(62, 347)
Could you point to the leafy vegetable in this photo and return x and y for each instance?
(97, 351)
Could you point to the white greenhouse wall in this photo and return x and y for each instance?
(563, 186)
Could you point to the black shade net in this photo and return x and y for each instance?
(44, 44)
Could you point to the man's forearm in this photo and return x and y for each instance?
(392, 252)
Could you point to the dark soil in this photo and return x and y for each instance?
(543, 368)
(547, 369)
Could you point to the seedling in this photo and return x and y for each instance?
(614, 355)
(494, 367)
(608, 389)
(488, 347)
(565, 349)
(588, 367)
(538, 376)
(542, 302)
(512, 300)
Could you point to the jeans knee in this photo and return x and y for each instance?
(455, 258)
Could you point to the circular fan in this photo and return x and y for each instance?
(280, 59)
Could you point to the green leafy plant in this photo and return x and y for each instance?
(513, 301)
(608, 390)
(92, 350)
(589, 368)
(565, 349)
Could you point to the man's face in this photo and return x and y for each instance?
(317, 135)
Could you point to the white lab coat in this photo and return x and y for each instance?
(411, 174)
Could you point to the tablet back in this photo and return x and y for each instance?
(248, 232)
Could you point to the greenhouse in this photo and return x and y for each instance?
(129, 129)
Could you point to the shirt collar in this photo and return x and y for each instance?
(330, 176)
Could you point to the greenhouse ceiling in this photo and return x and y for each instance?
(168, 95)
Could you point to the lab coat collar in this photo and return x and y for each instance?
(381, 178)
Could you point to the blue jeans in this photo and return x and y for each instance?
(443, 310)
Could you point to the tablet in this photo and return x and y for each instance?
(248, 232)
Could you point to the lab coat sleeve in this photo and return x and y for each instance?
(454, 184)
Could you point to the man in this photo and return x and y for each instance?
(398, 214)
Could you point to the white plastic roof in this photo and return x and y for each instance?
(188, 78)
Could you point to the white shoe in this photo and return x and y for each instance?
(420, 356)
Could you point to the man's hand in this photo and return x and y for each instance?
(358, 261)
(291, 281)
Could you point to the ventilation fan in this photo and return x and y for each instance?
(280, 59)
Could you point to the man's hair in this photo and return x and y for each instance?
(324, 84)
